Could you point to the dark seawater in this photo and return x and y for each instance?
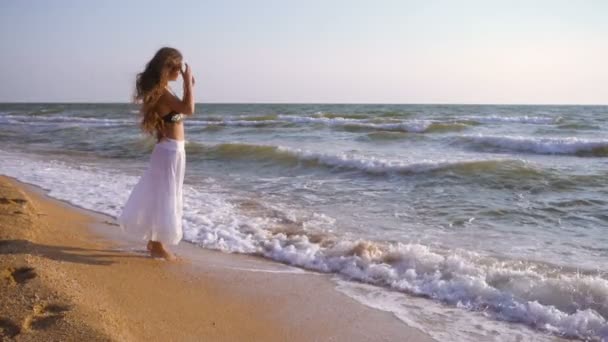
(497, 211)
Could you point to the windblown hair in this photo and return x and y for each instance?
(150, 85)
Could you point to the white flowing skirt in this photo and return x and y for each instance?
(154, 208)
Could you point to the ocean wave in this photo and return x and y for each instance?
(243, 123)
(389, 113)
(578, 126)
(352, 122)
(318, 120)
(419, 126)
(411, 126)
(566, 146)
(268, 117)
(565, 302)
(45, 111)
(353, 161)
(362, 122)
(507, 290)
(358, 122)
(62, 119)
(343, 116)
(513, 119)
(386, 135)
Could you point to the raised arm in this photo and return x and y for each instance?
(186, 104)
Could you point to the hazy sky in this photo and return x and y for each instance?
(347, 51)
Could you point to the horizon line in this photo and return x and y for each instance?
(327, 103)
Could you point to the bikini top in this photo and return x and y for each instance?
(173, 117)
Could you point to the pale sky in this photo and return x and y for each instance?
(320, 51)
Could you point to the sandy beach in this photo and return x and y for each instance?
(66, 275)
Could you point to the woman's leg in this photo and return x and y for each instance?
(157, 250)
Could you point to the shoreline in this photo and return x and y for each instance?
(114, 291)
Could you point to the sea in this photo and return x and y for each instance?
(470, 222)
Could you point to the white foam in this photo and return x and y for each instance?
(541, 296)
(323, 120)
(466, 280)
(568, 145)
(414, 126)
(62, 119)
(448, 324)
(226, 122)
(514, 119)
(282, 119)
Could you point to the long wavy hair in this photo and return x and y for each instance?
(150, 85)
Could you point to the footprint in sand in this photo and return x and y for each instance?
(22, 275)
(45, 316)
(8, 329)
(4, 200)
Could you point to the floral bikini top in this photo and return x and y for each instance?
(173, 117)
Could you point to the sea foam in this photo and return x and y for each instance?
(514, 119)
(542, 145)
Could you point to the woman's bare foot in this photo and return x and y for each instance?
(157, 250)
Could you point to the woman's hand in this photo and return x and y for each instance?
(188, 99)
(187, 74)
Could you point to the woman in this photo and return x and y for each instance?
(153, 211)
